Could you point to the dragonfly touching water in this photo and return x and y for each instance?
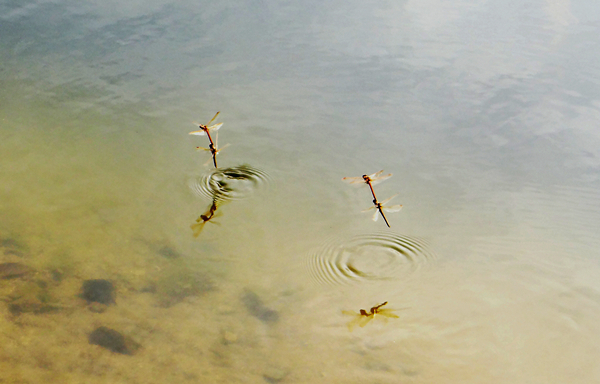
(371, 180)
(213, 149)
(206, 130)
(380, 207)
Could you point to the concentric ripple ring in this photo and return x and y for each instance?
(232, 183)
(370, 257)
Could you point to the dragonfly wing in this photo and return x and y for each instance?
(198, 133)
(375, 175)
(364, 320)
(379, 179)
(376, 215)
(223, 147)
(388, 199)
(353, 323)
(368, 209)
(215, 127)
(393, 208)
(197, 228)
(213, 119)
(387, 313)
(353, 180)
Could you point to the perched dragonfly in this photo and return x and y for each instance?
(380, 207)
(363, 317)
(204, 218)
(370, 180)
(205, 129)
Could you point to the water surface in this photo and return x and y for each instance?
(487, 114)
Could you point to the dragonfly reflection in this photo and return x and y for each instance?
(363, 317)
(206, 130)
(380, 207)
(204, 218)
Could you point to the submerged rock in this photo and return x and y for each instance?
(177, 283)
(11, 270)
(12, 247)
(274, 374)
(257, 308)
(32, 297)
(99, 291)
(31, 306)
(113, 341)
(168, 252)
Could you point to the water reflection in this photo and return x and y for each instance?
(363, 317)
(487, 113)
(206, 217)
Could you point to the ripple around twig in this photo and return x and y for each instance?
(370, 257)
(232, 183)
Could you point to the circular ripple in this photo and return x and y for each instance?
(373, 257)
(232, 183)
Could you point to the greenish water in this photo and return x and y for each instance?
(486, 114)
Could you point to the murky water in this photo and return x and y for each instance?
(486, 113)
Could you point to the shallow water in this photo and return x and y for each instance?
(486, 113)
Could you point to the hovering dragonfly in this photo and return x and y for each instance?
(370, 180)
(204, 218)
(205, 129)
(380, 207)
(363, 317)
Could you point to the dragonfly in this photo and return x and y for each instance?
(363, 317)
(370, 180)
(205, 218)
(214, 150)
(380, 207)
(373, 179)
(205, 129)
